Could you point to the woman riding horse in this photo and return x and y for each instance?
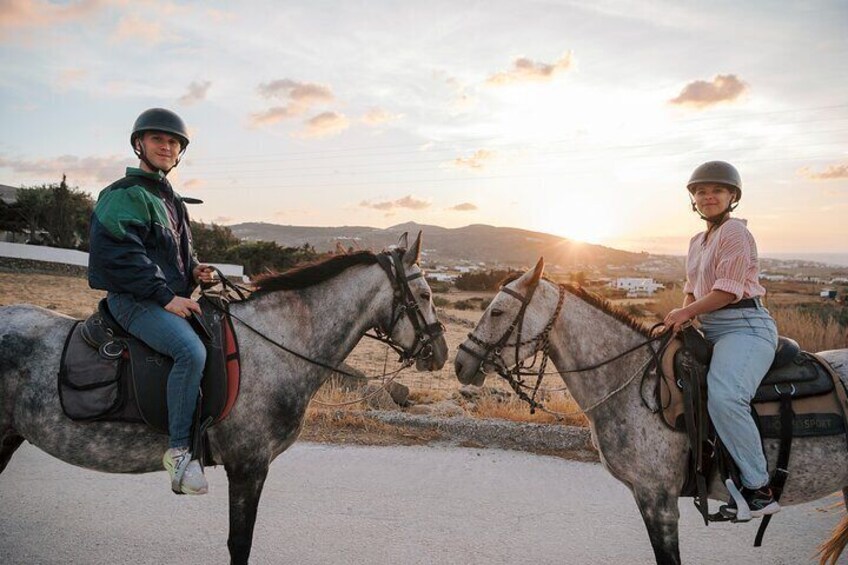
(723, 291)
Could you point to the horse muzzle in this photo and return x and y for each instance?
(468, 369)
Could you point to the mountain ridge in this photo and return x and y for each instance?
(473, 243)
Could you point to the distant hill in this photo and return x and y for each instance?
(474, 243)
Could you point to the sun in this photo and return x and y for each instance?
(578, 218)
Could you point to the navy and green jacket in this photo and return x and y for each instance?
(132, 246)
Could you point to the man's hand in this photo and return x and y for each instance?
(182, 307)
(204, 274)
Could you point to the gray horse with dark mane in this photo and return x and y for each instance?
(635, 446)
(320, 310)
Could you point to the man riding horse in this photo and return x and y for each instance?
(141, 254)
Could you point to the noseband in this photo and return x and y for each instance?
(404, 304)
(493, 351)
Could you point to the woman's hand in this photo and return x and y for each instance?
(676, 318)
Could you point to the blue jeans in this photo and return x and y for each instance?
(744, 340)
(172, 336)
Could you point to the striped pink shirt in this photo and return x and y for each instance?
(727, 261)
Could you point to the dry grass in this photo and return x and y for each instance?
(516, 410)
(811, 333)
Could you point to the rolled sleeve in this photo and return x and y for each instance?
(730, 286)
(688, 287)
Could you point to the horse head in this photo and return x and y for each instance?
(511, 329)
(411, 324)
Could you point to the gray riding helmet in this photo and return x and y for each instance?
(160, 119)
(719, 172)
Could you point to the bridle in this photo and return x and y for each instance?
(403, 303)
(493, 352)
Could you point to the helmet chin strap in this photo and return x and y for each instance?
(718, 219)
(139, 151)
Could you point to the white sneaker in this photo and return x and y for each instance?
(186, 474)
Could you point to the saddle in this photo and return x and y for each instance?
(800, 396)
(108, 375)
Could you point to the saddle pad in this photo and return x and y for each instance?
(133, 388)
(95, 383)
(816, 404)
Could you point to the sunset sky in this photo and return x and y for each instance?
(582, 119)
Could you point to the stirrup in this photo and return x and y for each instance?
(743, 511)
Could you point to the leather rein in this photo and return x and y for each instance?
(403, 303)
(493, 353)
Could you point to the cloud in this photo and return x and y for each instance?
(325, 124)
(271, 116)
(78, 169)
(527, 70)
(133, 27)
(21, 14)
(299, 97)
(196, 92)
(408, 201)
(464, 207)
(378, 116)
(832, 172)
(702, 94)
(476, 161)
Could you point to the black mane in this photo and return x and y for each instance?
(593, 300)
(310, 274)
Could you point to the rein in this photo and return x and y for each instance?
(515, 376)
(403, 302)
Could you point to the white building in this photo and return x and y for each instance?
(636, 286)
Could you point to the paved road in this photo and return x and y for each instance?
(370, 505)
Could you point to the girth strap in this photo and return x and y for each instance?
(695, 417)
(781, 472)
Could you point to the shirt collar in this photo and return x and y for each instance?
(137, 172)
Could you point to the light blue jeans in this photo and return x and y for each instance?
(744, 340)
(173, 336)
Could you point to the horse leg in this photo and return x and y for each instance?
(9, 442)
(660, 514)
(245, 485)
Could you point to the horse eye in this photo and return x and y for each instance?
(425, 296)
(496, 313)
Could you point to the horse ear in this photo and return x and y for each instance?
(403, 241)
(532, 277)
(413, 254)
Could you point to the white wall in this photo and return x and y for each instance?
(74, 257)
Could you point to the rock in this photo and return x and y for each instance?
(399, 393)
(378, 397)
(470, 392)
(420, 409)
(447, 408)
(349, 383)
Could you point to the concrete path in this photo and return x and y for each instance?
(371, 505)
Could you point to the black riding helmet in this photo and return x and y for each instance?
(718, 172)
(159, 119)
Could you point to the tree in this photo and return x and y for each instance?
(53, 214)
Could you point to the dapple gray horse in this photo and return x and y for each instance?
(634, 445)
(321, 311)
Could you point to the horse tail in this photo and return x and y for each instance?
(830, 550)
